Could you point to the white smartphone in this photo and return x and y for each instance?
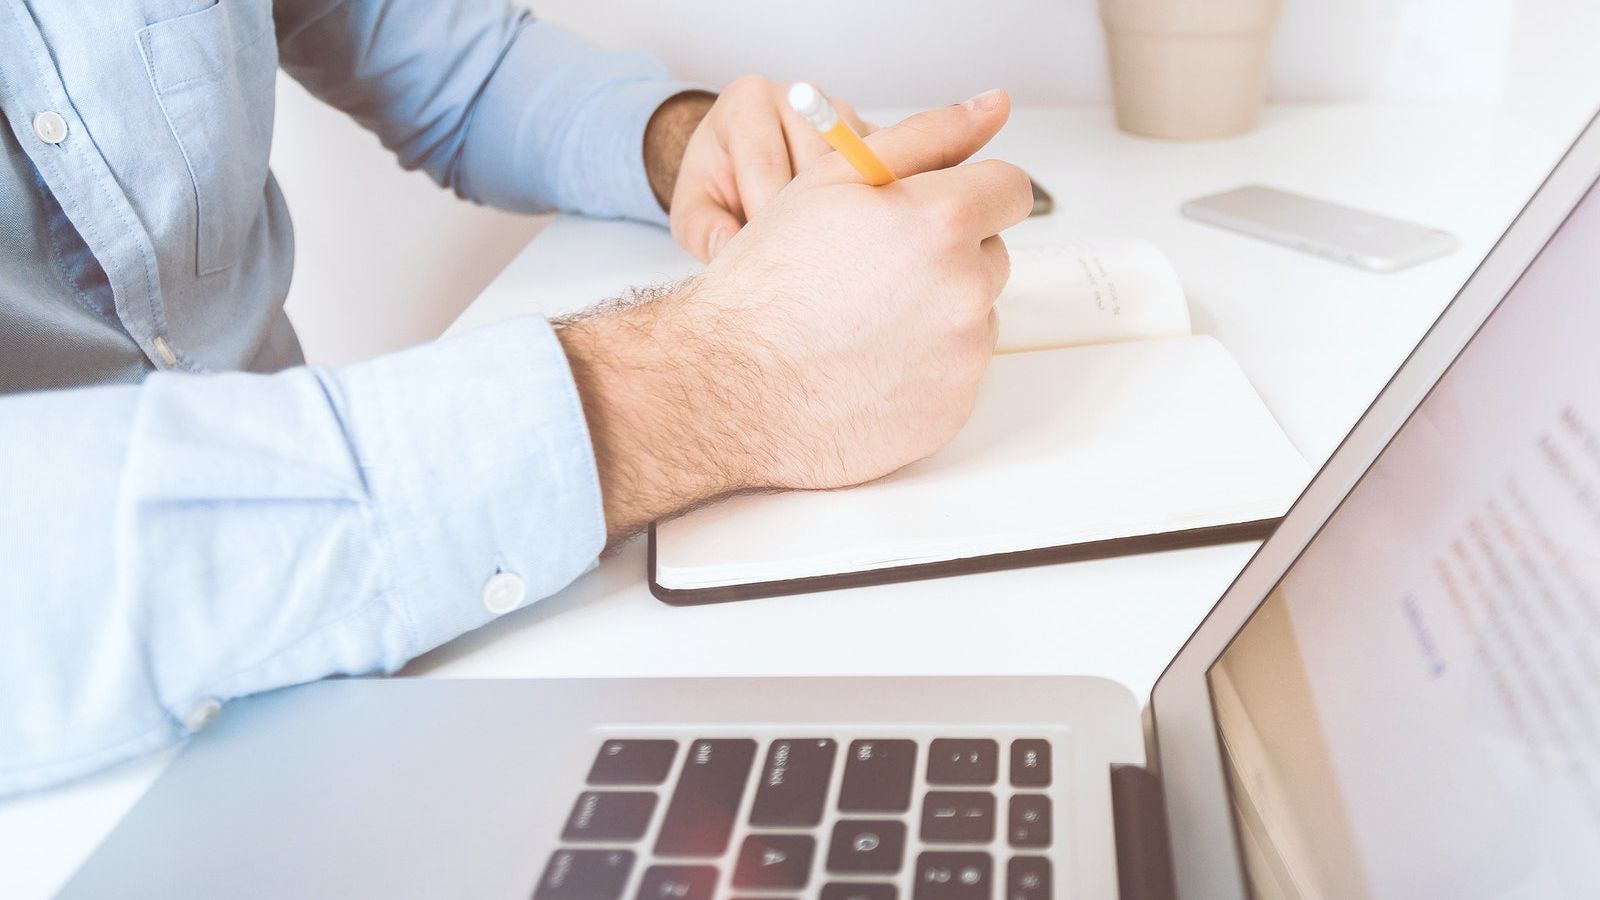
(1362, 239)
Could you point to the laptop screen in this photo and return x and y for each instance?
(1415, 709)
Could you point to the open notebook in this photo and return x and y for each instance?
(1103, 427)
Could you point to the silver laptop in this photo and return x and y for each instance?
(1398, 697)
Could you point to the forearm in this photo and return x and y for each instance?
(500, 108)
(666, 435)
(207, 537)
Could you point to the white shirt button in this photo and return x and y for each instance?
(203, 713)
(503, 593)
(50, 127)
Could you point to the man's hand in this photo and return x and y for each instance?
(837, 337)
(715, 162)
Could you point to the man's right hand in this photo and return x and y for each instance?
(838, 336)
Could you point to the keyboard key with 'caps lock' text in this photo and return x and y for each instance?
(633, 762)
(958, 817)
(1030, 763)
(877, 776)
(793, 785)
(678, 883)
(609, 816)
(953, 761)
(700, 816)
(867, 845)
(952, 876)
(584, 875)
(774, 861)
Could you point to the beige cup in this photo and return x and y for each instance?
(1189, 69)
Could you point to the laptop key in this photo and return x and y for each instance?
(952, 876)
(867, 845)
(609, 816)
(700, 817)
(877, 776)
(952, 761)
(793, 787)
(633, 762)
(1028, 878)
(584, 875)
(840, 890)
(1028, 822)
(958, 817)
(678, 883)
(1030, 763)
(774, 861)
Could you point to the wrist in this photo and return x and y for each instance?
(666, 137)
(658, 424)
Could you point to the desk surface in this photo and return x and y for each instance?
(1317, 339)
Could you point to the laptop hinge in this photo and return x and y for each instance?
(1144, 849)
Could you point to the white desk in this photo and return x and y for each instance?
(1317, 339)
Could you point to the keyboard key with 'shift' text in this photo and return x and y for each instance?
(961, 761)
(1028, 823)
(1028, 878)
(877, 776)
(700, 817)
(793, 785)
(952, 876)
(958, 817)
(867, 845)
(609, 816)
(633, 762)
(584, 875)
(678, 883)
(1030, 763)
(769, 861)
(840, 890)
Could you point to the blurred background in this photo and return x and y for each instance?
(386, 259)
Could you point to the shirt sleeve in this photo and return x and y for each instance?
(168, 546)
(500, 108)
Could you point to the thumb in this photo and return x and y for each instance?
(701, 225)
(943, 137)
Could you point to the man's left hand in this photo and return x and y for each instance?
(715, 161)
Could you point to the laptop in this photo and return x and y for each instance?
(1398, 697)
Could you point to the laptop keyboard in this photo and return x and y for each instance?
(776, 822)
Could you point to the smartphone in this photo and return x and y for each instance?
(1362, 239)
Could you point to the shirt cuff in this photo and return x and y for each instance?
(561, 124)
(486, 493)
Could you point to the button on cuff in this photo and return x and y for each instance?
(504, 592)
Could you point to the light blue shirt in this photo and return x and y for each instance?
(174, 532)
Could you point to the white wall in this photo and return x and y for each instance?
(386, 259)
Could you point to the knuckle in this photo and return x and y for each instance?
(746, 85)
(944, 217)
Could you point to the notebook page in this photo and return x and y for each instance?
(1064, 447)
(1093, 293)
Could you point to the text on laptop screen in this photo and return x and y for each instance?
(1415, 710)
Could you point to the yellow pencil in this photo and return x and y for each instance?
(815, 108)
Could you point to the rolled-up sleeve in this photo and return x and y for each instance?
(498, 107)
(169, 546)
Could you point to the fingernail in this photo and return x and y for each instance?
(986, 100)
(718, 237)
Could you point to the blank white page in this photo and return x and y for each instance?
(1064, 447)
